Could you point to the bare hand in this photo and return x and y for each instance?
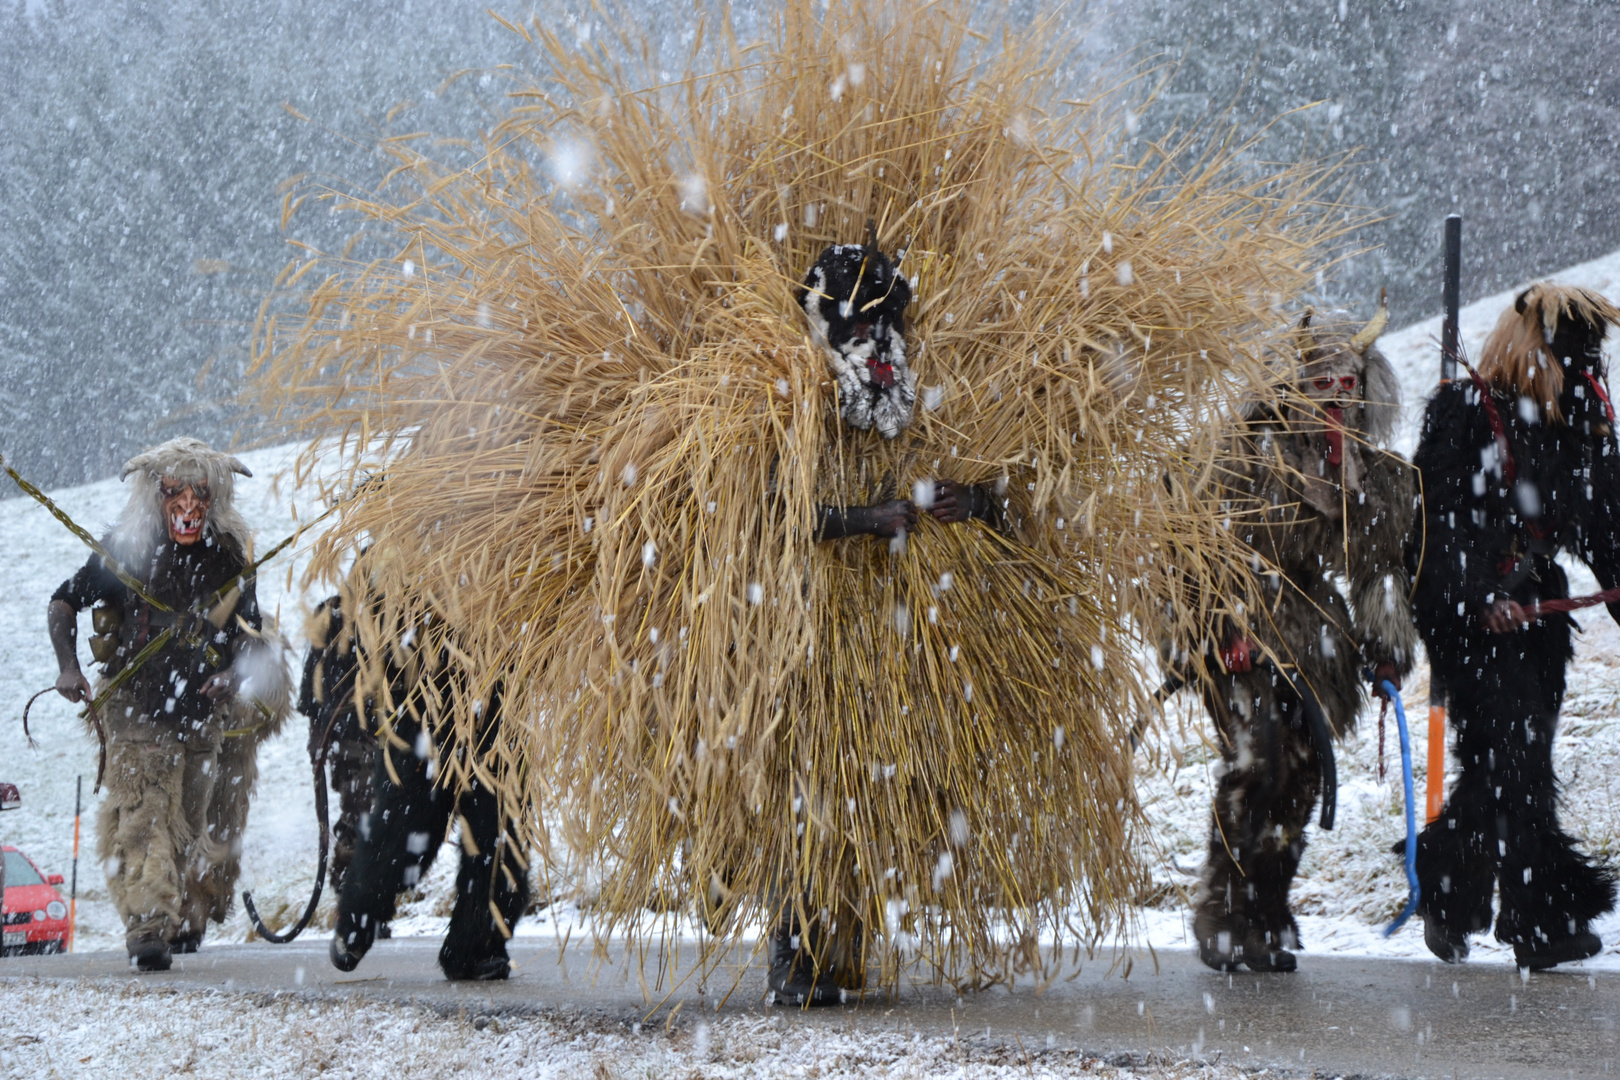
(1383, 673)
(1506, 616)
(221, 686)
(953, 502)
(73, 685)
(886, 519)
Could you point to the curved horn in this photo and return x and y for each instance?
(135, 464)
(1369, 333)
(238, 467)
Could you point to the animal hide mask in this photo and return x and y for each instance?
(855, 299)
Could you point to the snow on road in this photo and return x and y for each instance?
(61, 1030)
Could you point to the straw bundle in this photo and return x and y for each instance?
(607, 431)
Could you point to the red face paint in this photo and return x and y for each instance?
(1335, 435)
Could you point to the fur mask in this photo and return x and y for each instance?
(141, 528)
(1351, 398)
(855, 299)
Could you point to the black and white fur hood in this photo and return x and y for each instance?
(855, 299)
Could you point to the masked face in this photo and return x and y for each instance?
(1332, 381)
(856, 298)
(185, 509)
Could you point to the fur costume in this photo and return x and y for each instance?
(1318, 499)
(181, 768)
(394, 812)
(1519, 463)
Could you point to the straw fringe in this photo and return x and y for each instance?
(605, 430)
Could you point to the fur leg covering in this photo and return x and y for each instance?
(1263, 803)
(1501, 820)
(399, 839)
(255, 715)
(492, 891)
(146, 839)
(351, 765)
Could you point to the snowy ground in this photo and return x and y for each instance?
(61, 1030)
(1348, 887)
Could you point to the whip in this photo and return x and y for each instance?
(1412, 891)
(317, 762)
(1573, 603)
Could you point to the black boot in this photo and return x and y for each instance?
(1228, 940)
(1565, 950)
(150, 954)
(351, 940)
(793, 977)
(489, 969)
(1446, 942)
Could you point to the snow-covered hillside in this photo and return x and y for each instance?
(1349, 886)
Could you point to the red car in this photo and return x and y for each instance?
(35, 915)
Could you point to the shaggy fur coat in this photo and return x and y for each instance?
(1329, 542)
(1519, 465)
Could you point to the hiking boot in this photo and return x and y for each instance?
(1448, 944)
(1564, 950)
(186, 943)
(150, 954)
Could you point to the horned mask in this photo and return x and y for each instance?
(1345, 378)
(183, 490)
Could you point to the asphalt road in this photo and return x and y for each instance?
(1334, 1016)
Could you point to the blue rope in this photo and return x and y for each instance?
(1411, 813)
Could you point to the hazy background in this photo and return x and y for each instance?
(144, 148)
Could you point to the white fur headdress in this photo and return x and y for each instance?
(140, 526)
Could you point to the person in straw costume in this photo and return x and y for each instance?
(1333, 502)
(612, 438)
(183, 726)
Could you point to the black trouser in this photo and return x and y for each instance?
(1500, 823)
(399, 839)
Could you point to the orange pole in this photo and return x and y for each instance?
(1435, 786)
(73, 895)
